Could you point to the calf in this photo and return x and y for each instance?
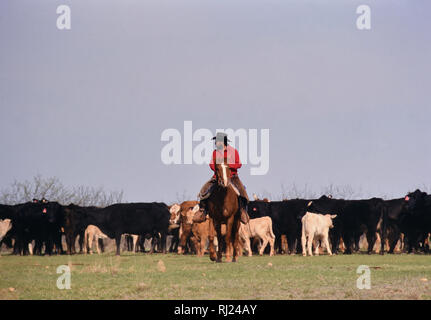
(258, 228)
(5, 226)
(200, 232)
(92, 233)
(183, 215)
(315, 227)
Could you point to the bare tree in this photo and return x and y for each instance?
(52, 189)
(342, 191)
(294, 192)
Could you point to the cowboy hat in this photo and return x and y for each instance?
(221, 136)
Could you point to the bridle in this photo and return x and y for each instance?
(224, 175)
(226, 181)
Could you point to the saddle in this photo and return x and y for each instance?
(205, 194)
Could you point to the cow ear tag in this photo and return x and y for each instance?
(44, 210)
(407, 198)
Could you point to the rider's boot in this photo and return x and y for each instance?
(243, 208)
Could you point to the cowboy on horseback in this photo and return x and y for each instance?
(223, 150)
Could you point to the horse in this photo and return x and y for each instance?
(223, 208)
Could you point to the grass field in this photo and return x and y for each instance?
(143, 276)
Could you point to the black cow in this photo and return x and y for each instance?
(395, 213)
(353, 218)
(134, 218)
(417, 222)
(7, 212)
(54, 213)
(38, 221)
(75, 222)
(29, 224)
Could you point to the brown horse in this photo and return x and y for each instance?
(223, 208)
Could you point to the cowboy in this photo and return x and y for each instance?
(223, 150)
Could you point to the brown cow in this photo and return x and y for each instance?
(182, 214)
(200, 236)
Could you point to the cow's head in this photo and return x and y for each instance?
(325, 197)
(188, 210)
(52, 211)
(175, 213)
(258, 208)
(190, 213)
(72, 215)
(329, 218)
(415, 200)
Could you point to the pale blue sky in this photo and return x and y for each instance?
(343, 106)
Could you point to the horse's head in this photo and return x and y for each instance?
(222, 172)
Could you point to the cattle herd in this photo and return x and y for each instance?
(288, 226)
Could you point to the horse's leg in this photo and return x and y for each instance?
(235, 236)
(211, 233)
(217, 227)
(228, 239)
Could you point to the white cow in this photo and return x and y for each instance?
(5, 226)
(260, 228)
(92, 233)
(315, 227)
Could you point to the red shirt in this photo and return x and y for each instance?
(232, 156)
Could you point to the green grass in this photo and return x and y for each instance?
(140, 276)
